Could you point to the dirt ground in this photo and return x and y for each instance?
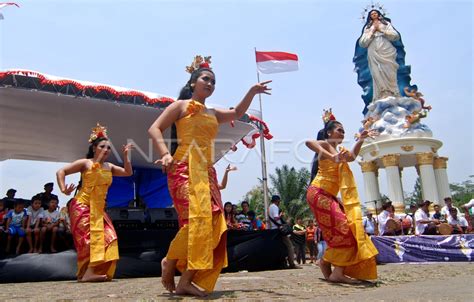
(397, 282)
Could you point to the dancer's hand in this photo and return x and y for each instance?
(342, 156)
(68, 189)
(261, 88)
(368, 133)
(230, 168)
(126, 149)
(166, 161)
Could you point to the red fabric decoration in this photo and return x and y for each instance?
(96, 88)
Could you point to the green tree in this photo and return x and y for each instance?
(462, 192)
(255, 199)
(291, 185)
(417, 194)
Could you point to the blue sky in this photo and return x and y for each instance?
(145, 45)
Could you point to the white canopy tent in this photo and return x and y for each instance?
(49, 119)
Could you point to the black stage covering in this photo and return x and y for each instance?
(141, 252)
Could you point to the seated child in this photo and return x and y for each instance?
(35, 215)
(50, 223)
(255, 223)
(15, 226)
(65, 224)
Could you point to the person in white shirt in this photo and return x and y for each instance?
(445, 210)
(423, 224)
(469, 205)
(383, 217)
(459, 224)
(275, 222)
(50, 224)
(33, 225)
(274, 213)
(369, 224)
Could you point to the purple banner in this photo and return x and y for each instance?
(393, 249)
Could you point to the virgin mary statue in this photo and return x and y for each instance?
(380, 60)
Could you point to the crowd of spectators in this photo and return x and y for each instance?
(38, 220)
(245, 219)
(419, 221)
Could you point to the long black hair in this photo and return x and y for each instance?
(185, 94)
(322, 135)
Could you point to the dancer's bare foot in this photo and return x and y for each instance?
(189, 289)
(340, 278)
(325, 268)
(167, 274)
(90, 276)
(94, 278)
(30, 251)
(53, 250)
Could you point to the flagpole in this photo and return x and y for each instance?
(262, 151)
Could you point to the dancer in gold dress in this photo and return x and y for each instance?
(350, 250)
(94, 236)
(199, 249)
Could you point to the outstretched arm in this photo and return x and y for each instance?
(228, 115)
(351, 156)
(223, 184)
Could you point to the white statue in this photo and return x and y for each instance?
(381, 55)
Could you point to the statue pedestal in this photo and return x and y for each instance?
(393, 155)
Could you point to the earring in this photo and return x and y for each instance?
(192, 85)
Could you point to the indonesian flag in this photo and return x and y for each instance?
(276, 61)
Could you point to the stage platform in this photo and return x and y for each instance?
(141, 253)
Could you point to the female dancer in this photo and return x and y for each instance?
(199, 249)
(92, 230)
(349, 250)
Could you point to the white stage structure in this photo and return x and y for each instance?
(46, 118)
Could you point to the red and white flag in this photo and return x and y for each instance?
(276, 61)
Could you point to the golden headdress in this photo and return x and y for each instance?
(98, 132)
(328, 116)
(199, 62)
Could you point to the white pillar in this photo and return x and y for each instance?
(428, 180)
(372, 194)
(395, 192)
(441, 174)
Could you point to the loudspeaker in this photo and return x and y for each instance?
(166, 218)
(127, 218)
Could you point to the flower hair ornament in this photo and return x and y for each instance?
(328, 116)
(98, 132)
(199, 62)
